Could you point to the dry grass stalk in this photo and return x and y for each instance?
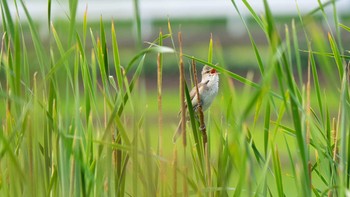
(183, 112)
(335, 140)
(199, 109)
(182, 92)
(174, 172)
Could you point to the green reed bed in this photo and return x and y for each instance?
(75, 122)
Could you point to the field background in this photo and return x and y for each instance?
(89, 108)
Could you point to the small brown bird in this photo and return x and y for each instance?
(208, 89)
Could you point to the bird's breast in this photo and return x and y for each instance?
(209, 95)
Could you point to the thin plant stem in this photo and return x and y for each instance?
(183, 112)
(199, 109)
(160, 112)
(175, 172)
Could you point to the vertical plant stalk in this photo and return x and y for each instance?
(335, 152)
(207, 163)
(72, 174)
(335, 140)
(174, 173)
(308, 103)
(138, 23)
(183, 111)
(160, 112)
(199, 108)
(182, 92)
(30, 139)
(335, 136)
(348, 72)
(73, 7)
(116, 156)
(105, 120)
(347, 167)
(338, 167)
(8, 100)
(203, 127)
(202, 123)
(210, 60)
(343, 134)
(278, 171)
(116, 137)
(308, 116)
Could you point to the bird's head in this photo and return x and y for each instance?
(208, 73)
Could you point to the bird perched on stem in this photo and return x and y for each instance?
(208, 89)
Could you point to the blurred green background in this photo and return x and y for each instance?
(197, 20)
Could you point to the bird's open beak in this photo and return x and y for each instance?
(213, 71)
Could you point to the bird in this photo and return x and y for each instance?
(208, 89)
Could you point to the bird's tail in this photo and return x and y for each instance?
(178, 132)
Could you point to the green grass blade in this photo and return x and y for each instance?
(319, 8)
(258, 156)
(252, 12)
(153, 49)
(137, 21)
(270, 23)
(297, 52)
(266, 127)
(277, 171)
(210, 50)
(118, 109)
(87, 81)
(73, 6)
(116, 57)
(316, 83)
(85, 25)
(257, 19)
(39, 49)
(17, 61)
(343, 133)
(292, 162)
(337, 57)
(196, 133)
(6, 15)
(103, 50)
(347, 28)
(49, 14)
(232, 75)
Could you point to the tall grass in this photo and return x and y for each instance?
(74, 121)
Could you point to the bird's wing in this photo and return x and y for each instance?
(193, 93)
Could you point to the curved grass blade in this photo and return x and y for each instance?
(103, 49)
(73, 5)
(257, 19)
(278, 171)
(316, 82)
(38, 46)
(337, 57)
(210, 49)
(138, 23)
(49, 14)
(7, 19)
(194, 125)
(116, 57)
